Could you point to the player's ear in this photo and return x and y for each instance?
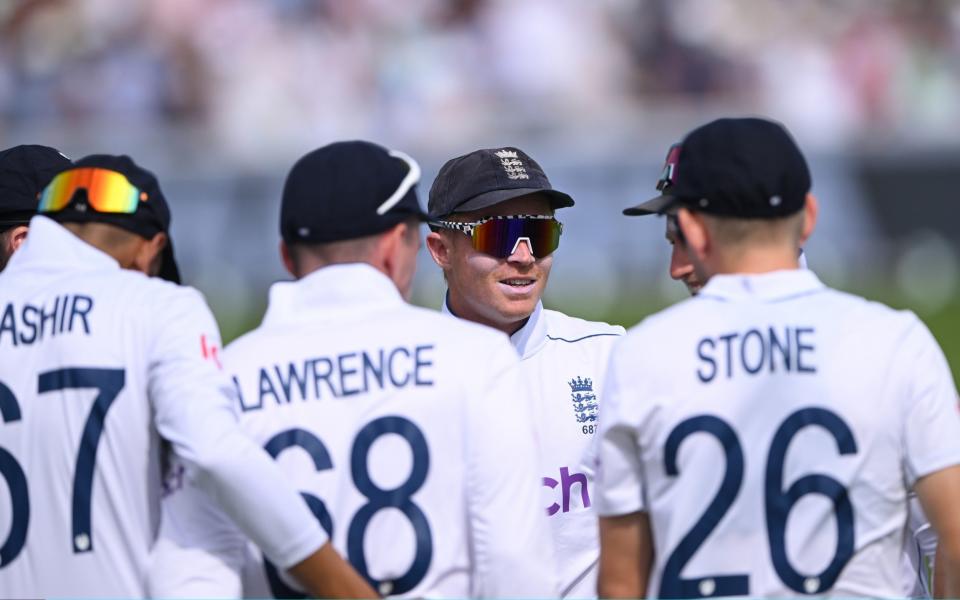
(396, 254)
(287, 258)
(18, 235)
(389, 243)
(694, 231)
(439, 247)
(811, 209)
(148, 258)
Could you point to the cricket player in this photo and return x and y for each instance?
(494, 235)
(920, 541)
(100, 365)
(24, 172)
(405, 429)
(762, 437)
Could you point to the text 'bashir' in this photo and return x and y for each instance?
(29, 324)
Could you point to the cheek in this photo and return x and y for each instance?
(478, 267)
(545, 264)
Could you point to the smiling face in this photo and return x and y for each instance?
(499, 292)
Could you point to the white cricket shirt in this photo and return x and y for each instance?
(405, 430)
(772, 428)
(97, 364)
(564, 360)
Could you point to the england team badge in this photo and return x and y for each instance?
(584, 400)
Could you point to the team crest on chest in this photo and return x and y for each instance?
(584, 400)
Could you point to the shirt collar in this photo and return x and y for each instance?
(528, 339)
(337, 288)
(773, 286)
(49, 243)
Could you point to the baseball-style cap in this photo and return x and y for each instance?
(748, 168)
(24, 171)
(348, 190)
(115, 190)
(487, 177)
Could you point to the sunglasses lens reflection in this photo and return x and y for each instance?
(498, 237)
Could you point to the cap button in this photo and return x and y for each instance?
(775, 200)
(704, 202)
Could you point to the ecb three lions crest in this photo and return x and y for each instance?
(584, 400)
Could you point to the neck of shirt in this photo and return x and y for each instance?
(763, 287)
(332, 290)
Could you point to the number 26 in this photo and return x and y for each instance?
(778, 504)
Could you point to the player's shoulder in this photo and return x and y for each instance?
(563, 328)
(159, 295)
(870, 315)
(462, 341)
(665, 321)
(450, 325)
(472, 337)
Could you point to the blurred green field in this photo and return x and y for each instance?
(944, 323)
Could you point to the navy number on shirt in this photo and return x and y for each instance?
(671, 584)
(778, 504)
(16, 481)
(108, 383)
(399, 498)
(299, 438)
(377, 498)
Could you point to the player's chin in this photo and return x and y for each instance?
(517, 303)
(693, 287)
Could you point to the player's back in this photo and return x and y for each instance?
(78, 453)
(393, 420)
(779, 432)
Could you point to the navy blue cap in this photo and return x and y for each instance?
(152, 215)
(489, 176)
(24, 172)
(348, 190)
(744, 168)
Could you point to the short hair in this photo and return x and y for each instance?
(344, 251)
(330, 253)
(735, 232)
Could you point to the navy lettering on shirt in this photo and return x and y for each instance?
(31, 324)
(343, 375)
(772, 349)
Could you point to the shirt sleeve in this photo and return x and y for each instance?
(931, 423)
(510, 536)
(194, 409)
(199, 552)
(619, 485)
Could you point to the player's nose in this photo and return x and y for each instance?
(680, 265)
(523, 253)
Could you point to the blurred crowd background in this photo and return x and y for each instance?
(220, 97)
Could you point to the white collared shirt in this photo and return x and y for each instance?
(97, 364)
(732, 417)
(563, 363)
(404, 430)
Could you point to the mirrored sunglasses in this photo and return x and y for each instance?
(107, 191)
(501, 236)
